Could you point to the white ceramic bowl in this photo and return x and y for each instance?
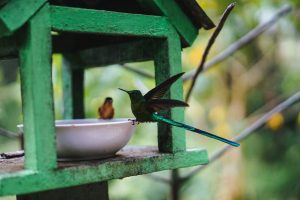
(84, 139)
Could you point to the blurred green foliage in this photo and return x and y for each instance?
(255, 78)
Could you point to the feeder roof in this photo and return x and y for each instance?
(185, 15)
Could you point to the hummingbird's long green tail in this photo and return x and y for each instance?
(157, 117)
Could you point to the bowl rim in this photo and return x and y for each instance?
(88, 122)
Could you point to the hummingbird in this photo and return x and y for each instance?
(106, 110)
(145, 108)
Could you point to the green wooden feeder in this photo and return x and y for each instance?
(88, 34)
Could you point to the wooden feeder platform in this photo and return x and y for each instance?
(131, 161)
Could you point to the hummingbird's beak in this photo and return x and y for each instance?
(123, 90)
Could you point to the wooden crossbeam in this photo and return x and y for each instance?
(107, 22)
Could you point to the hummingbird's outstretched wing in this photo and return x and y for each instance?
(160, 90)
(155, 105)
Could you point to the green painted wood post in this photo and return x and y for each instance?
(167, 63)
(73, 88)
(15, 13)
(73, 94)
(37, 92)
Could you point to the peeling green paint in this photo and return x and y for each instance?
(37, 93)
(15, 13)
(95, 171)
(108, 22)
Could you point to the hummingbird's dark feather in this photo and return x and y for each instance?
(155, 105)
(160, 90)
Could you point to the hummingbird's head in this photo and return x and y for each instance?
(108, 100)
(133, 94)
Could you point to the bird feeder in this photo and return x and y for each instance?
(89, 34)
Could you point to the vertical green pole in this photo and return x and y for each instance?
(73, 92)
(37, 92)
(167, 63)
(73, 88)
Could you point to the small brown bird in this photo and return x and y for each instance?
(106, 110)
